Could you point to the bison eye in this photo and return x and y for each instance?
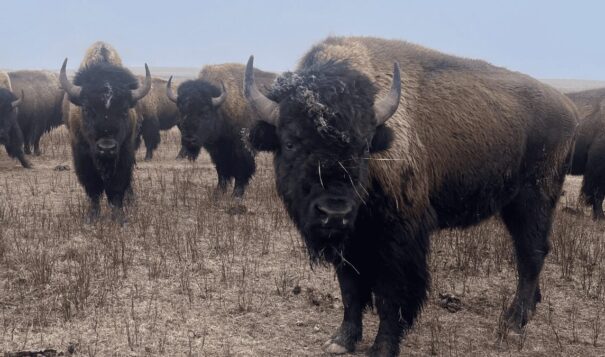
(290, 145)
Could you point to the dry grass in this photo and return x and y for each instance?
(184, 277)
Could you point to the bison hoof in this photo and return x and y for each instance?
(334, 348)
(516, 319)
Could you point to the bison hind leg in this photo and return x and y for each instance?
(528, 219)
(151, 135)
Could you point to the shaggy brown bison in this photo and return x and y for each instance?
(42, 106)
(156, 112)
(215, 115)
(369, 163)
(589, 149)
(10, 131)
(102, 124)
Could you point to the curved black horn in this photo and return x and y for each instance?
(145, 88)
(217, 101)
(72, 90)
(16, 102)
(169, 92)
(385, 107)
(267, 109)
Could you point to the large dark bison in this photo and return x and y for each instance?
(215, 116)
(156, 112)
(42, 106)
(10, 132)
(102, 123)
(589, 149)
(367, 170)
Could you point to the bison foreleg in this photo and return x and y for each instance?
(401, 288)
(356, 295)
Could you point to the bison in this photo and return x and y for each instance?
(156, 112)
(102, 124)
(367, 171)
(587, 157)
(10, 131)
(215, 116)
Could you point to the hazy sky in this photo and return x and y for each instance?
(544, 38)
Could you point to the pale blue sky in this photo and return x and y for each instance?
(544, 38)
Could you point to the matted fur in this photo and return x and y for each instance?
(438, 92)
(232, 76)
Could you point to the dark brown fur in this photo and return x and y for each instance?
(109, 174)
(469, 141)
(42, 107)
(220, 129)
(156, 112)
(589, 151)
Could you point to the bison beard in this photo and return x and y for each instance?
(444, 160)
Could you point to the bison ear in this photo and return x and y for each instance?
(263, 137)
(383, 137)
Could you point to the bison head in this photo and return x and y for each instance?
(322, 124)
(106, 93)
(200, 120)
(9, 104)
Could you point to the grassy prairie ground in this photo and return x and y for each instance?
(186, 277)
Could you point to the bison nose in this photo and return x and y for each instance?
(107, 146)
(333, 210)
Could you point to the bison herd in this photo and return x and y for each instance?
(376, 145)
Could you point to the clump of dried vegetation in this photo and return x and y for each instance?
(186, 277)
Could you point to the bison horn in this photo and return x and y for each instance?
(267, 109)
(385, 107)
(16, 102)
(169, 92)
(145, 88)
(217, 101)
(72, 90)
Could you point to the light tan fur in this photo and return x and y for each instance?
(454, 114)
(94, 54)
(5, 81)
(156, 101)
(232, 76)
